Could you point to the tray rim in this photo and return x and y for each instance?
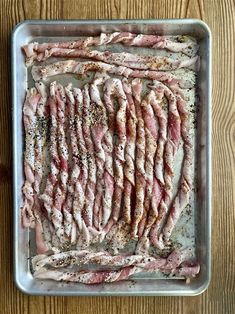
(81, 22)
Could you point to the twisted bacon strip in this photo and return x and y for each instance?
(186, 270)
(107, 146)
(186, 182)
(47, 196)
(69, 223)
(80, 175)
(158, 180)
(42, 243)
(103, 258)
(173, 264)
(129, 167)
(92, 169)
(151, 137)
(156, 103)
(98, 131)
(87, 126)
(80, 68)
(61, 187)
(134, 61)
(183, 44)
(40, 134)
(114, 87)
(29, 118)
(140, 159)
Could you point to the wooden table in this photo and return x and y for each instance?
(220, 16)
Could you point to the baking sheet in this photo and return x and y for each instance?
(184, 234)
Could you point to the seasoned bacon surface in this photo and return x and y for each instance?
(102, 156)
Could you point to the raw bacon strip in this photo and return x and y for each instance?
(99, 128)
(151, 137)
(156, 103)
(40, 134)
(80, 68)
(61, 187)
(183, 44)
(47, 196)
(103, 258)
(130, 60)
(107, 144)
(110, 276)
(140, 159)
(29, 118)
(171, 147)
(92, 169)
(80, 177)
(158, 264)
(113, 87)
(129, 167)
(80, 173)
(40, 139)
(69, 223)
(182, 197)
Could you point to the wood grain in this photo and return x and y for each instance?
(220, 16)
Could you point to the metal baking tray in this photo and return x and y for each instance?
(28, 31)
